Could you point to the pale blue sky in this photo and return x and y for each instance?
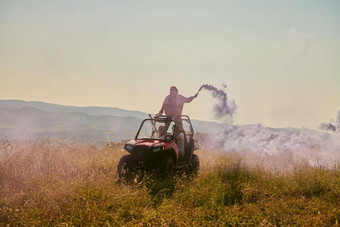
(279, 59)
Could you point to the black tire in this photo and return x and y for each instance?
(167, 167)
(195, 164)
(125, 166)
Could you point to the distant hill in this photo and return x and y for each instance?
(55, 108)
(28, 120)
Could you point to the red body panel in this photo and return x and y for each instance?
(173, 145)
(155, 143)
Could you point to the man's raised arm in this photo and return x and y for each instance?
(189, 99)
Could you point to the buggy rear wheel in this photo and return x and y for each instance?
(195, 164)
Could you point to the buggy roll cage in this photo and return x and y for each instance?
(167, 120)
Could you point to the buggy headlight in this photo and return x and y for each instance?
(156, 149)
(128, 147)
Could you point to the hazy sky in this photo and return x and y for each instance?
(279, 59)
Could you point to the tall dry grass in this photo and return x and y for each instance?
(57, 183)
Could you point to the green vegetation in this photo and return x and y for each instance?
(62, 184)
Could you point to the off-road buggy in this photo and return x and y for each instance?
(154, 149)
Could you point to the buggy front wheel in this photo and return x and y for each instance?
(125, 166)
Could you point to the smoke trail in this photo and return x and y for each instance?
(333, 126)
(328, 127)
(222, 108)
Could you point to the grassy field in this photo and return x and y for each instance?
(56, 183)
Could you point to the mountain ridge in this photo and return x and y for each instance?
(34, 119)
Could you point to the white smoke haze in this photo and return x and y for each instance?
(300, 46)
(276, 148)
(279, 149)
